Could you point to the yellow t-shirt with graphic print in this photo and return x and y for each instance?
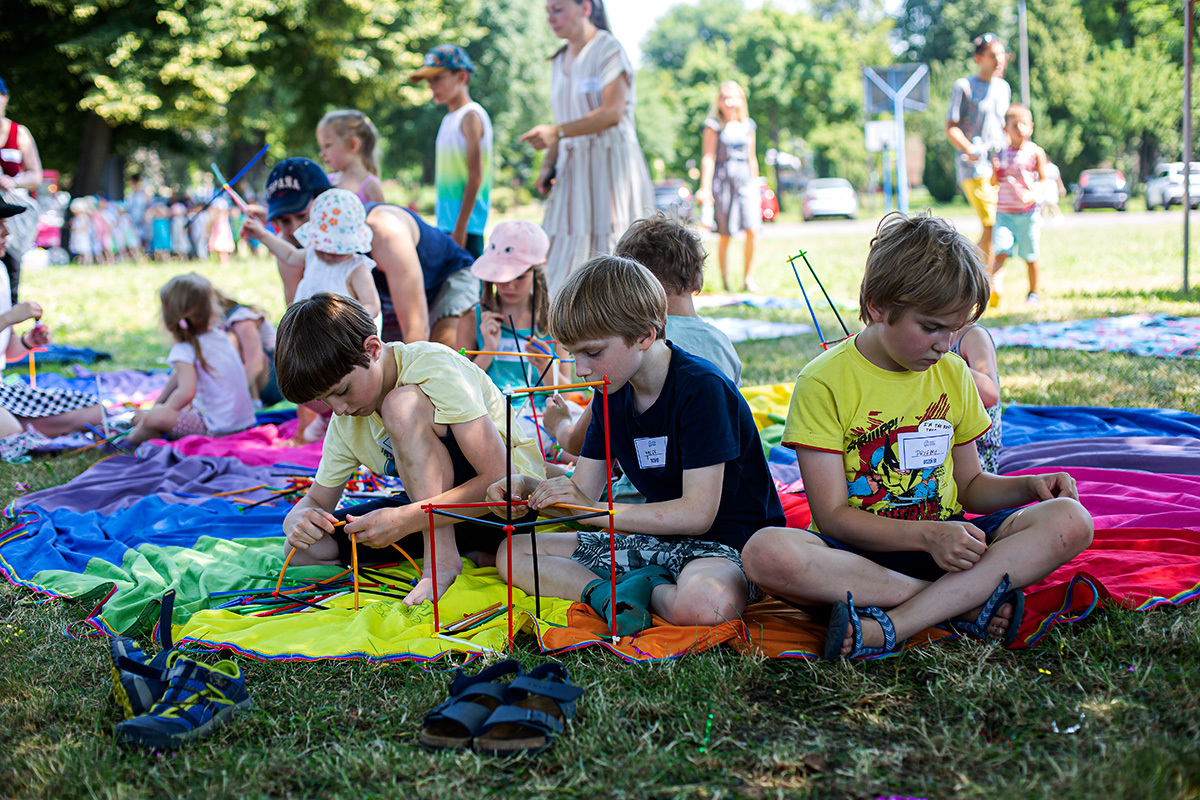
(896, 430)
(460, 392)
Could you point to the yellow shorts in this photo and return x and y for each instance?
(982, 195)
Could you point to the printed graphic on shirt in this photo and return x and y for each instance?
(901, 468)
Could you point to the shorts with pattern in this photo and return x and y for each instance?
(21, 400)
(637, 550)
(189, 423)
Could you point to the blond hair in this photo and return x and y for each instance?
(609, 296)
(922, 263)
(490, 299)
(718, 110)
(1017, 110)
(346, 124)
(188, 305)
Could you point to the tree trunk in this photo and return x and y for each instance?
(94, 148)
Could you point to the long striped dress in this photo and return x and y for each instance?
(602, 183)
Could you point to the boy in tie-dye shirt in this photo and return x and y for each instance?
(463, 158)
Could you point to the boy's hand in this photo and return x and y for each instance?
(956, 546)
(26, 310)
(491, 326)
(39, 335)
(377, 529)
(309, 527)
(496, 492)
(253, 229)
(553, 491)
(1051, 485)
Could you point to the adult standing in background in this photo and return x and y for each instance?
(729, 177)
(975, 126)
(20, 178)
(594, 171)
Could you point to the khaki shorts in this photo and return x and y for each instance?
(982, 195)
(458, 293)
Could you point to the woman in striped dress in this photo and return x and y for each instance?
(594, 171)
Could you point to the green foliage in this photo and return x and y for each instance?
(942, 30)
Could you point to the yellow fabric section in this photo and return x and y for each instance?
(383, 628)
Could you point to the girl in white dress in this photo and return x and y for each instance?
(594, 171)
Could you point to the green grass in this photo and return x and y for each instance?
(958, 720)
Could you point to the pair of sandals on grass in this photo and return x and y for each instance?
(846, 617)
(503, 710)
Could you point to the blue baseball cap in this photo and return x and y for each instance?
(442, 57)
(292, 184)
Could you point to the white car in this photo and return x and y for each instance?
(1166, 187)
(830, 197)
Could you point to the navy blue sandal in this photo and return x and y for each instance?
(1004, 594)
(845, 616)
(537, 708)
(452, 725)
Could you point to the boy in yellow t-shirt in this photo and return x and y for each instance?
(884, 427)
(419, 411)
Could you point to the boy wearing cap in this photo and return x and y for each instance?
(463, 151)
(975, 126)
(514, 294)
(422, 275)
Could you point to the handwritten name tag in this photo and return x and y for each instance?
(928, 446)
(588, 85)
(651, 452)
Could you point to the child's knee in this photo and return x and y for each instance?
(710, 600)
(1073, 524)
(762, 556)
(522, 552)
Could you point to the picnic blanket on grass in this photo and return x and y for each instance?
(117, 564)
(1158, 335)
(61, 354)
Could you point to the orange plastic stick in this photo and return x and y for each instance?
(503, 353)
(559, 387)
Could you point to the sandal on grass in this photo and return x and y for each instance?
(633, 598)
(845, 616)
(537, 707)
(1003, 595)
(453, 724)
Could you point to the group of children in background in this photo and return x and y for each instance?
(109, 232)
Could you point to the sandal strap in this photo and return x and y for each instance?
(557, 691)
(503, 669)
(979, 628)
(471, 716)
(885, 622)
(527, 717)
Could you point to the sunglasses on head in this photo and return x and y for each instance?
(983, 41)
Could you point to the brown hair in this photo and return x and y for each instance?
(598, 17)
(609, 296)
(320, 340)
(188, 305)
(347, 123)
(922, 263)
(668, 249)
(541, 300)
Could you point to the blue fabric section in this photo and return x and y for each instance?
(121, 384)
(68, 540)
(1028, 424)
(61, 354)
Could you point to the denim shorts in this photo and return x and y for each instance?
(917, 563)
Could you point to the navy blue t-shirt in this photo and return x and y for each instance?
(699, 419)
(440, 257)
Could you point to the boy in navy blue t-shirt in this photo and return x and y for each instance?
(685, 437)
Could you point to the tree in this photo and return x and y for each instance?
(942, 30)
(707, 24)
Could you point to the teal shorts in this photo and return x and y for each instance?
(1018, 235)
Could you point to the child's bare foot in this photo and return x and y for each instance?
(997, 626)
(424, 589)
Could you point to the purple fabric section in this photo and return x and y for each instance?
(121, 481)
(1170, 455)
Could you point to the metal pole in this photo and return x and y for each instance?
(1187, 132)
(1024, 34)
(901, 159)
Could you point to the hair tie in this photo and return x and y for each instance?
(183, 326)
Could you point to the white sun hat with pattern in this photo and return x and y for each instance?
(337, 223)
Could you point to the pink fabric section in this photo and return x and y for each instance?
(1120, 498)
(262, 446)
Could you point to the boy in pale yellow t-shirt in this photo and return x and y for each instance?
(419, 411)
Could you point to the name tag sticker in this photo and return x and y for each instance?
(385, 444)
(10, 154)
(928, 446)
(589, 85)
(651, 452)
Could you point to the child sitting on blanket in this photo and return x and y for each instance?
(207, 394)
(884, 427)
(688, 443)
(674, 255)
(974, 344)
(419, 411)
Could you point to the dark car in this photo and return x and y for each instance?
(1101, 188)
(674, 198)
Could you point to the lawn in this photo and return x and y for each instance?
(1107, 708)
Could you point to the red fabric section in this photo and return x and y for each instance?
(795, 509)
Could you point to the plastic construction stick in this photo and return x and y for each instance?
(437, 627)
(811, 313)
(532, 526)
(273, 497)
(237, 198)
(832, 307)
(286, 561)
(612, 530)
(559, 387)
(236, 178)
(354, 567)
(502, 353)
(241, 491)
(532, 405)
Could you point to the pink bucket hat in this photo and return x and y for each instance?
(513, 248)
(337, 223)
